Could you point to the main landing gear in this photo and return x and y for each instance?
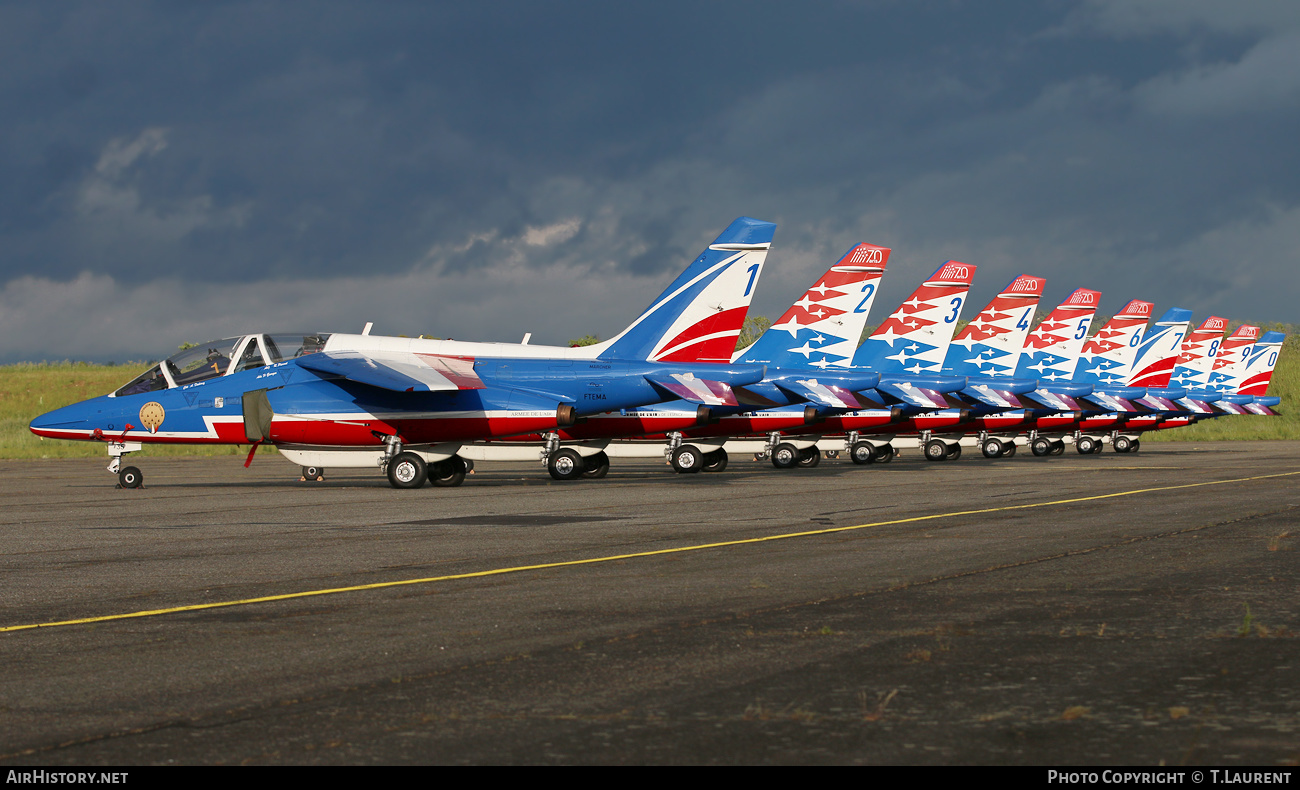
(406, 469)
(938, 450)
(1043, 446)
(566, 464)
(1087, 445)
(1123, 444)
(688, 459)
(996, 448)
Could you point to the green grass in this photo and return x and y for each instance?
(28, 390)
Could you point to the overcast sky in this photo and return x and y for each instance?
(180, 172)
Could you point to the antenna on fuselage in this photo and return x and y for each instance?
(369, 324)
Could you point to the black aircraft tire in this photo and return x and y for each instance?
(1086, 445)
(130, 477)
(1136, 444)
(565, 464)
(1041, 447)
(954, 453)
(1058, 447)
(993, 449)
(407, 470)
(936, 450)
(596, 466)
(687, 459)
(715, 461)
(785, 456)
(1010, 450)
(313, 474)
(809, 458)
(1122, 444)
(885, 454)
(449, 473)
(862, 453)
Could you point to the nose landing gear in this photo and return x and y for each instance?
(127, 476)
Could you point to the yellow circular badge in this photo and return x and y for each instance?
(152, 415)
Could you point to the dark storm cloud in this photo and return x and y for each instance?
(307, 161)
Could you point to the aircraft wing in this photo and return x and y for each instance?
(402, 372)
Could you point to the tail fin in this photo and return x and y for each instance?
(1235, 350)
(822, 329)
(1196, 359)
(699, 316)
(1107, 357)
(991, 344)
(1153, 365)
(1257, 370)
(916, 337)
(1052, 350)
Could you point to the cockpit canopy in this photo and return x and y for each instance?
(204, 361)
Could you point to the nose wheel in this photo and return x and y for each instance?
(130, 477)
(127, 476)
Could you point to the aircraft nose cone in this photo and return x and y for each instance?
(66, 418)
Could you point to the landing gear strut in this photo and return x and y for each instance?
(127, 476)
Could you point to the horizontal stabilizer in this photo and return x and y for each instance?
(1125, 393)
(1205, 396)
(1055, 401)
(1194, 406)
(696, 390)
(1110, 402)
(1156, 403)
(1070, 389)
(909, 393)
(399, 372)
(836, 391)
(993, 396)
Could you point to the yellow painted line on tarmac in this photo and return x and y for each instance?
(1106, 468)
(618, 557)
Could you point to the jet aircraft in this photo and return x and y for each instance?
(408, 404)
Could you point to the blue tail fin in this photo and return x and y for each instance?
(699, 316)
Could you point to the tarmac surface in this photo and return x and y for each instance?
(1074, 610)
